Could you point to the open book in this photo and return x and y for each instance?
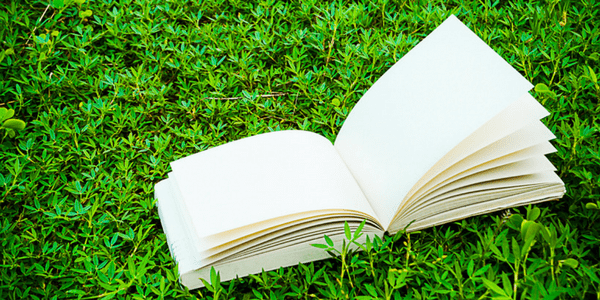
(450, 131)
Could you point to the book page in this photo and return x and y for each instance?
(522, 116)
(521, 168)
(271, 260)
(439, 93)
(264, 177)
(493, 154)
(173, 225)
(534, 151)
(215, 244)
(287, 237)
(547, 185)
(473, 208)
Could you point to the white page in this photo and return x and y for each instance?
(264, 177)
(534, 134)
(174, 226)
(223, 241)
(518, 114)
(546, 178)
(293, 235)
(453, 214)
(531, 165)
(449, 85)
(289, 256)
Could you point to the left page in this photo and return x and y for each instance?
(256, 183)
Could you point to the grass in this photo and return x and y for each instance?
(113, 90)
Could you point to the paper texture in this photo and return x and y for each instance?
(264, 177)
(523, 114)
(449, 85)
(173, 225)
(515, 128)
(289, 256)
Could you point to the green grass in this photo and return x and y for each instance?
(114, 90)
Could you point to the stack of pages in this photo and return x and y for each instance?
(450, 131)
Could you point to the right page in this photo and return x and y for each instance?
(433, 98)
(502, 159)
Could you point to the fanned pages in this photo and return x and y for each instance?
(450, 131)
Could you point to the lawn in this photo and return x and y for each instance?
(111, 91)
